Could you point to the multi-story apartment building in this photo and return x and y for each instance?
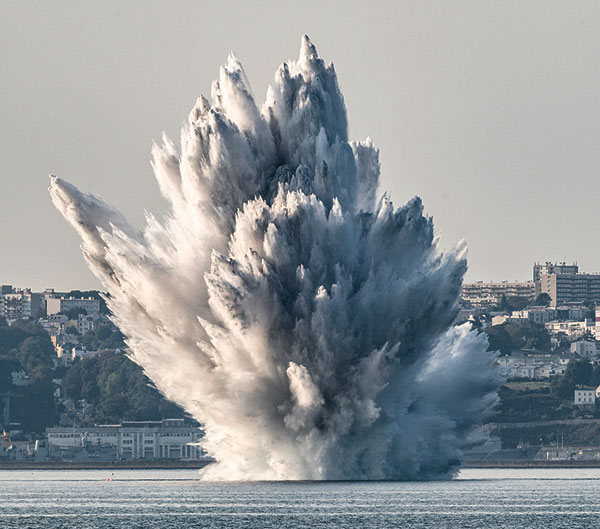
(17, 304)
(166, 439)
(570, 288)
(22, 303)
(553, 268)
(63, 304)
(492, 292)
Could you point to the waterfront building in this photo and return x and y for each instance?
(166, 439)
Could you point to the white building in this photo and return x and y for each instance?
(19, 304)
(569, 288)
(585, 349)
(501, 319)
(166, 439)
(585, 397)
(63, 304)
(521, 364)
(481, 293)
(539, 315)
(572, 329)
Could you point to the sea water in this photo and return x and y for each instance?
(178, 499)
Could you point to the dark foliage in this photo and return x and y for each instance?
(113, 385)
(510, 303)
(117, 390)
(521, 335)
(543, 300)
(578, 373)
(26, 346)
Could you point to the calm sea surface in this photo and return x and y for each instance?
(536, 498)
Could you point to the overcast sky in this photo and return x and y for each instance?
(490, 111)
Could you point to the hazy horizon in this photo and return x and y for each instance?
(487, 112)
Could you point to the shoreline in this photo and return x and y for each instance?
(533, 463)
(197, 465)
(103, 465)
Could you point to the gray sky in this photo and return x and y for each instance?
(487, 110)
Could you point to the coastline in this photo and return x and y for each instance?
(101, 465)
(533, 463)
(197, 465)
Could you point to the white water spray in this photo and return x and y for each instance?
(305, 325)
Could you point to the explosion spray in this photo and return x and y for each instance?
(305, 324)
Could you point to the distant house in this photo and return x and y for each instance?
(533, 364)
(585, 397)
(584, 348)
(19, 378)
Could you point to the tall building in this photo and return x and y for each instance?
(553, 268)
(570, 288)
(18, 304)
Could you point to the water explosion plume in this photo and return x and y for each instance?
(305, 324)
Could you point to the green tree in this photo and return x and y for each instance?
(37, 409)
(36, 355)
(543, 300)
(578, 373)
(117, 390)
(510, 303)
(517, 335)
(74, 313)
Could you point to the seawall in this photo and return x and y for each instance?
(99, 465)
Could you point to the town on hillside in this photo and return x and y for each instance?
(70, 393)
(547, 333)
